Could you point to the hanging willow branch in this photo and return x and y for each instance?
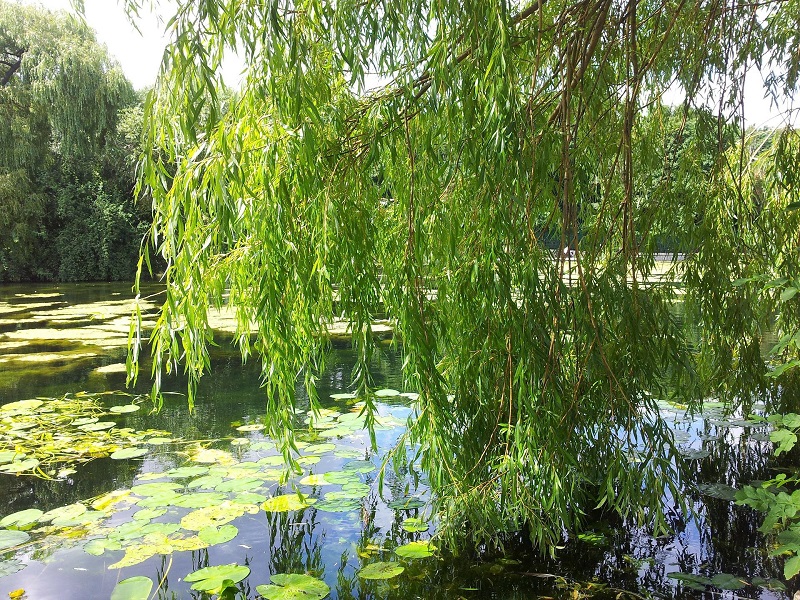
(507, 134)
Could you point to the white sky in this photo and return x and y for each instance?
(140, 54)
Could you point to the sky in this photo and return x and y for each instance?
(140, 54)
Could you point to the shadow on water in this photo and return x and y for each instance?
(611, 558)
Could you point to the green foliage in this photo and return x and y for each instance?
(432, 200)
(779, 497)
(69, 138)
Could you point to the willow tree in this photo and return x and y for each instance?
(421, 159)
(60, 97)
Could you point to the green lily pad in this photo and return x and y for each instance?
(133, 588)
(414, 525)
(159, 441)
(348, 453)
(153, 489)
(213, 535)
(212, 515)
(253, 427)
(343, 396)
(406, 504)
(199, 500)
(99, 426)
(148, 514)
(319, 448)
(129, 453)
(7, 456)
(212, 579)
(694, 582)
(718, 490)
(287, 502)
(20, 466)
(338, 505)
(11, 537)
(124, 408)
(240, 485)
(240, 441)
(182, 472)
(359, 466)
(86, 517)
(415, 550)
(381, 570)
(64, 512)
(341, 477)
(314, 480)
(205, 482)
(22, 406)
(290, 586)
(387, 393)
(21, 518)
(249, 498)
(726, 581)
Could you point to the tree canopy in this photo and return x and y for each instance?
(66, 177)
(420, 159)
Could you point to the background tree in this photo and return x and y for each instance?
(501, 125)
(66, 188)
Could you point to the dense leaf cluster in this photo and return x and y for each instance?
(420, 159)
(69, 137)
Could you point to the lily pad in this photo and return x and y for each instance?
(405, 504)
(387, 393)
(182, 472)
(205, 482)
(212, 579)
(319, 448)
(338, 505)
(726, 581)
(360, 466)
(129, 453)
(22, 518)
(253, 427)
(152, 489)
(11, 537)
(21, 406)
(20, 466)
(381, 570)
(200, 500)
(341, 477)
(415, 550)
(290, 586)
(314, 480)
(240, 485)
(694, 582)
(218, 535)
(99, 426)
(287, 502)
(64, 512)
(201, 518)
(124, 408)
(133, 588)
(414, 525)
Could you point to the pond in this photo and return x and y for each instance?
(188, 500)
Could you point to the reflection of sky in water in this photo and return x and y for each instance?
(722, 450)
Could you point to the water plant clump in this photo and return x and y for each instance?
(48, 437)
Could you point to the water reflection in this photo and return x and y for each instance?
(334, 546)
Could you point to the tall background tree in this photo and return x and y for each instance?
(69, 132)
(496, 127)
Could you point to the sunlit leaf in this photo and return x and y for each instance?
(211, 579)
(22, 518)
(125, 408)
(212, 516)
(218, 535)
(381, 570)
(129, 453)
(133, 588)
(287, 502)
(294, 587)
(415, 550)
